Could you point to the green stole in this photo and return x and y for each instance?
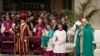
(45, 39)
(88, 38)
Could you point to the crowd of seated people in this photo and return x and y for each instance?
(50, 27)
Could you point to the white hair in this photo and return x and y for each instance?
(84, 20)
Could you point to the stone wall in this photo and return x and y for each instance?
(95, 19)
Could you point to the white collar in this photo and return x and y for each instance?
(22, 24)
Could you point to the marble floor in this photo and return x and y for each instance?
(17, 55)
(96, 53)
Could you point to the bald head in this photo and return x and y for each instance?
(83, 21)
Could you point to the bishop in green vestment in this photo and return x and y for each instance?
(84, 40)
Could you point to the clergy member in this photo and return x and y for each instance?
(84, 39)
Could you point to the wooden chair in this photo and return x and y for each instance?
(34, 43)
(0, 41)
(7, 44)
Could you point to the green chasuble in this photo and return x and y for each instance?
(45, 39)
(88, 38)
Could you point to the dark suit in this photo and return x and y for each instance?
(54, 27)
(65, 27)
